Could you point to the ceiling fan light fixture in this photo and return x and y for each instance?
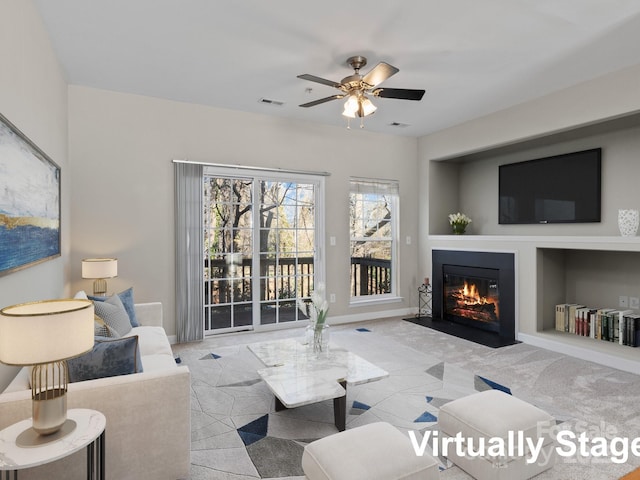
(357, 87)
(351, 106)
(348, 114)
(368, 107)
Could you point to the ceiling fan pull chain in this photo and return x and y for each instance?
(361, 122)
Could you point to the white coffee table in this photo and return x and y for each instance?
(297, 376)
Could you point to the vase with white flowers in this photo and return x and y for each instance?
(317, 333)
(459, 222)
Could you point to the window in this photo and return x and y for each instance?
(373, 218)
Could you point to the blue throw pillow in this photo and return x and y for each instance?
(108, 358)
(126, 297)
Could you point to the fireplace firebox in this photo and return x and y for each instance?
(476, 291)
(471, 296)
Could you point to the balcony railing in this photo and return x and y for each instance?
(370, 276)
(279, 279)
(286, 278)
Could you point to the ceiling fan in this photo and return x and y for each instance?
(358, 88)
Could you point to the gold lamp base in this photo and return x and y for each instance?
(100, 287)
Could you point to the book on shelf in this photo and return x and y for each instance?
(592, 323)
(581, 320)
(601, 317)
(587, 317)
(607, 319)
(630, 329)
(627, 328)
(561, 315)
(607, 324)
(573, 307)
(614, 325)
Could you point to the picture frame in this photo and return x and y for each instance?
(30, 203)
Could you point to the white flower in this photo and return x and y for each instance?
(459, 219)
(319, 305)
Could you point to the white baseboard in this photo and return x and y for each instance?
(363, 317)
(591, 355)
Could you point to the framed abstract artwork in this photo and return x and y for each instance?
(29, 202)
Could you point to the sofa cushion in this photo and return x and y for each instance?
(108, 358)
(153, 340)
(113, 313)
(126, 296)
(158, 362)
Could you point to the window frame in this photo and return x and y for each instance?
(367, 186)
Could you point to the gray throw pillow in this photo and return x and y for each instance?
(127, 300)
(101, 329)
(113, 313)
(108, 358)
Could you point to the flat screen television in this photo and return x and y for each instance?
(559, 189)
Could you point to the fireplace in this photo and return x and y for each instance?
(476, 292)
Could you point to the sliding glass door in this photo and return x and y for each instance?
(260, 249)
(228, 245)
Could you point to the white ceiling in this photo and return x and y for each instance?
(472, 57)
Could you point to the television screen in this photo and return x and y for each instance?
(559, 189)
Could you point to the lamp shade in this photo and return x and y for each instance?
(47, 331)
(368, 107)
(99, 267)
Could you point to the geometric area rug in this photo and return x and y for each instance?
(236, 432)
(276, 457)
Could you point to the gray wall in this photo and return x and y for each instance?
(33, 96)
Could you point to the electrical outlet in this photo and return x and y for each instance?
(332, 241)
(634, 302)
(408, 240)
(623, 301)
(332, 298)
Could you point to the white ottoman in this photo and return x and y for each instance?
(378, 451)
(493, 414)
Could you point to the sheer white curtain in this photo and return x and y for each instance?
(189, 253)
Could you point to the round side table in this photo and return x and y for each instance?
(89, 432)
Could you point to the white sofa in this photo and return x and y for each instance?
(148, 433)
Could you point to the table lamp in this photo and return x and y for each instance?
(45, 334)
(99, 269)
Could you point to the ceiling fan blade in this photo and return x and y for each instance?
(379, 74)
(324, 81)
(401, 93)
(322, 100)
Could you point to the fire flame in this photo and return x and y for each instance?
(471, 296)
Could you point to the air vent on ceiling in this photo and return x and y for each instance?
(398, 124)
(275, 103)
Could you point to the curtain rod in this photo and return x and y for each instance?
(261, 169)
